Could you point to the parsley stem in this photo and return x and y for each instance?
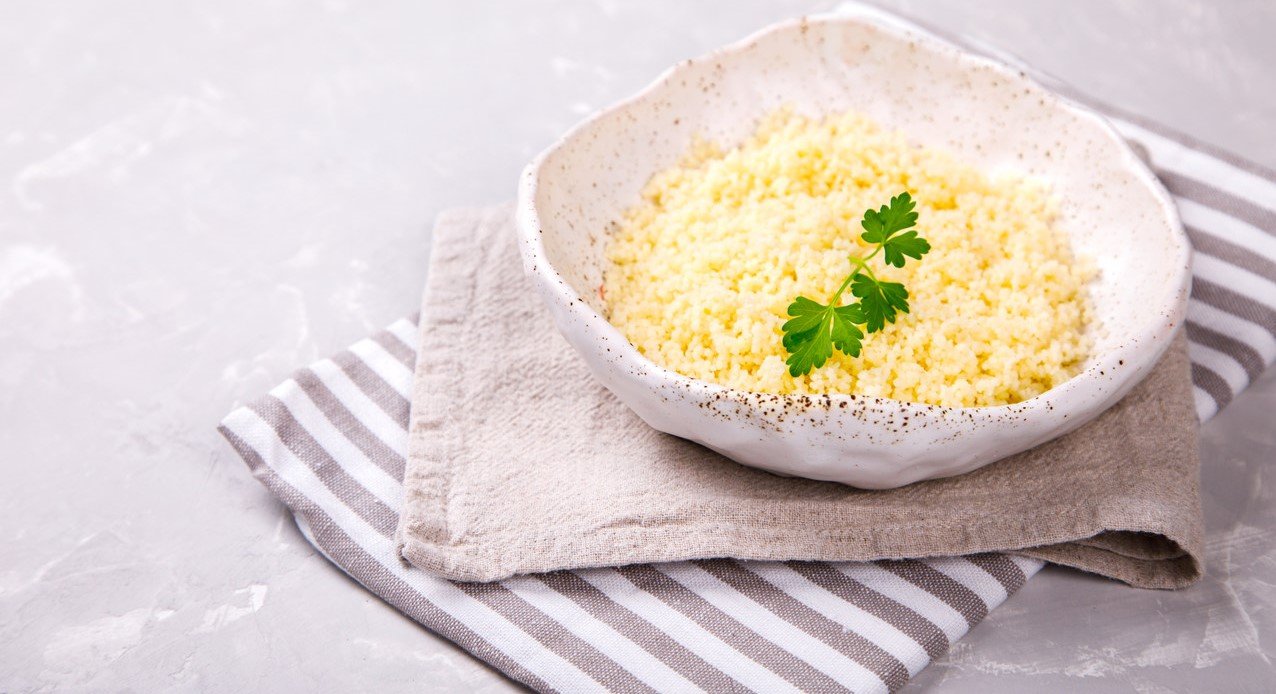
(860, 264)
(869, 270)
(837, 296)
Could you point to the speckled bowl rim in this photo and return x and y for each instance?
(1172, 302)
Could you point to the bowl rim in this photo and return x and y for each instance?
(1174, 296)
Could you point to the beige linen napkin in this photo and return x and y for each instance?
(519, 463)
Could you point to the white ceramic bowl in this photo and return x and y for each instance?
(988, 114)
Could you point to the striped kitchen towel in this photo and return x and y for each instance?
(330, 443)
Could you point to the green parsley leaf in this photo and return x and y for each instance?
(906, 244)
(846, 337)
(814, 330)
(879, 301)
(880, 225)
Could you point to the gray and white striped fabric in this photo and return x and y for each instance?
(330, 443)
(1228, 207)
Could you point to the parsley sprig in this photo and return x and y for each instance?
(814, 330)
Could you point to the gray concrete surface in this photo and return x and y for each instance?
(197, 197)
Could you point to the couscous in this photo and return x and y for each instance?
(699, 275)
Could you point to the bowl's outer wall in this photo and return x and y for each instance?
(1113, 209)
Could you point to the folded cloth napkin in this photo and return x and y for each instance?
(518, 462)
(331, 442)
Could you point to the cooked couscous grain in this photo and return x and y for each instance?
(700, 273)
